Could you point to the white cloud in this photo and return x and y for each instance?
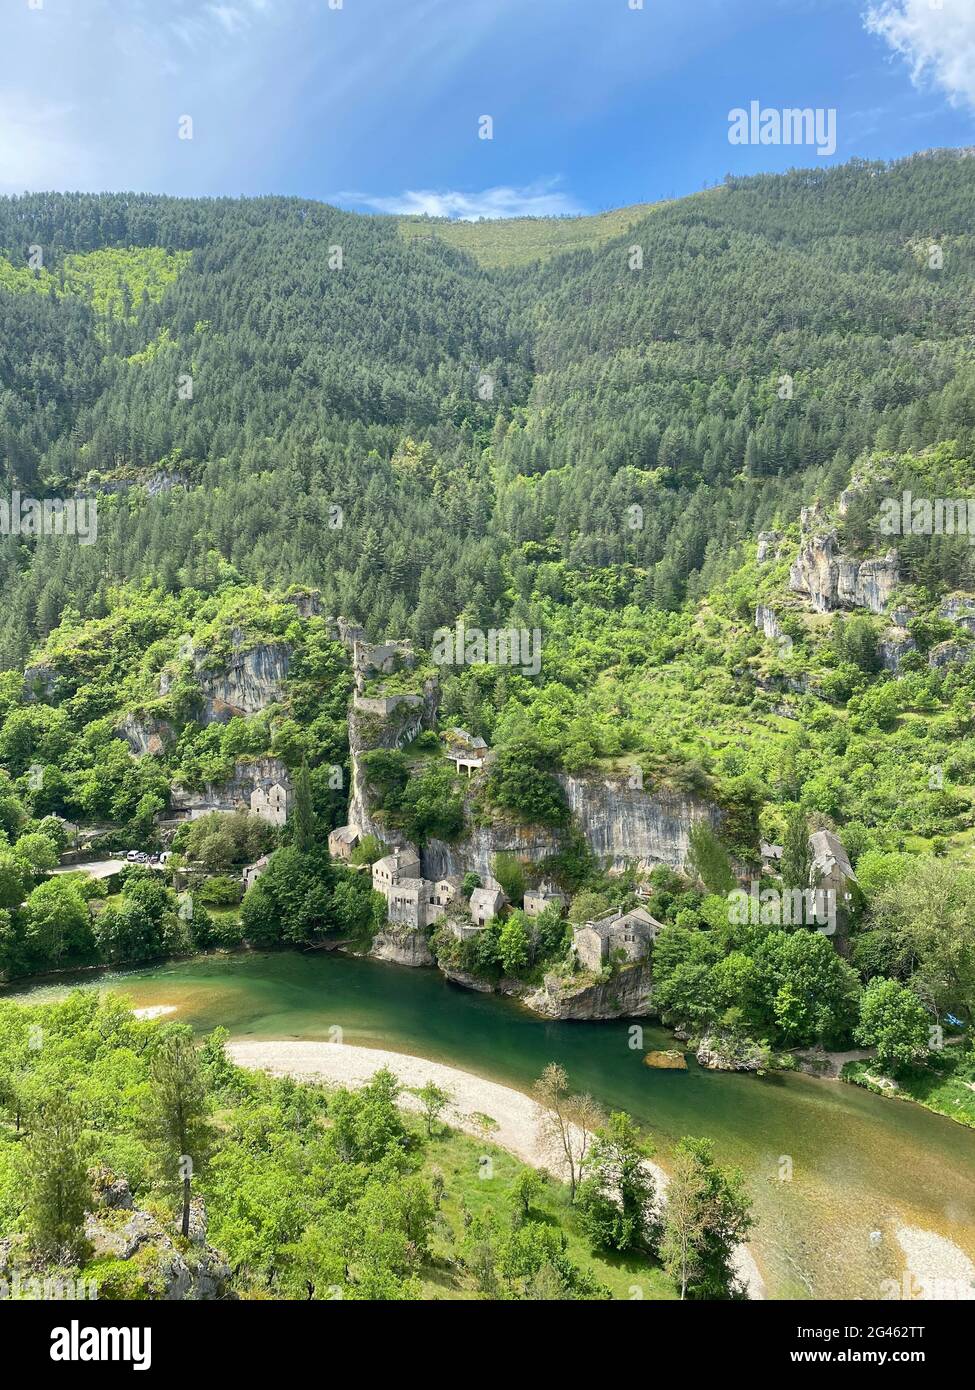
(937, 41)
(534, 200)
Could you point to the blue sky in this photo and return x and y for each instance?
(375, 104)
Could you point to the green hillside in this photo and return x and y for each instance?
(498, 243)
(581, 446)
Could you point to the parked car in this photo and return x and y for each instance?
(132, 856)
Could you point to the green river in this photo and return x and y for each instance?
(860, 1165)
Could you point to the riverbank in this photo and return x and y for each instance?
(945, 1086)
(515, 1115)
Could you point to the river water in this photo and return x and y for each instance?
(827, 1166)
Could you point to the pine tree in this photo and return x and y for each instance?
(178, 1123)
(303, 823)
(795, 851)
(54, 1174)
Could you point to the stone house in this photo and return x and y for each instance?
(485, 904)
(538, 899)
(631, 933)
(402, 863)
(830, 868)
(271, 804)
(343, 840)
(252, 872)
(447, 890)
(466, 752)
(409, 902)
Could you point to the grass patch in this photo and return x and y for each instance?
(486, 1190)
(501, 242)
(945, 1085)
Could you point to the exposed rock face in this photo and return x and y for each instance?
(476, 851)
(145, 734)
(768, 623)
(163, 480)
(39, 682)
(395, 725)
(402, 946)
(462, 978)
(950, 654)
(768, 545)
(831, 580)
(960, 609)
(892, 648)
(200, 1273)
(228, 796)
(308, 602)
(249, 682)
(625, 995)
(623, 823)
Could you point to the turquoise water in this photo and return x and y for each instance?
(859, 1163)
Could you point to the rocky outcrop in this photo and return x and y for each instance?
(768, 623)
(386, 722)
(308, 602)
(626, 994)
(721, 1053)
(623, 823)
(892, 648)
(475, 852)
(145, 734)
(245, 684)
(39, 682)
(402, 946)
(959, 609)
(249, 774)
(466, 980)
(161, 481)
(768, 546)
(950, 654)
(118, 1230)
(832, 580)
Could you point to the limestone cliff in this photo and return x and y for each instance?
(249, 774)
(246, 683)
(145, 733)
(39, 681)
(402, 946)
(624, 823)
(621, 824)
(830, 579)
(384, 722)
(894, 645)
(625, 994)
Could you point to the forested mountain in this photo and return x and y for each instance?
(663, 438)
(484, 431)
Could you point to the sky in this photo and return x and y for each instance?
(379, 105)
